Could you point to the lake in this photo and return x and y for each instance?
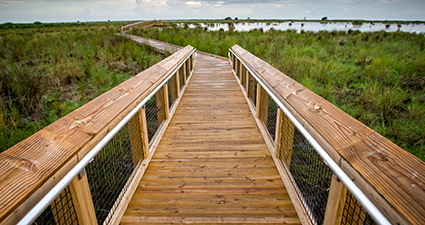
(317, 26)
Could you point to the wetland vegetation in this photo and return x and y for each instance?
(49, 70)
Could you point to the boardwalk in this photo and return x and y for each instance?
(212, 165)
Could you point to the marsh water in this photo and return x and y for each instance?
(317, 26)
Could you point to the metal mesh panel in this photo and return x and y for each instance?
(187, 69)
(60, 211)
(152, 117)
(252, 91)
(354, 213)
(244, 77)
(172, 91)
(234, 63)
(308, 173)
(238, 70)
(181, 78)
(272, 118)
(112, 169)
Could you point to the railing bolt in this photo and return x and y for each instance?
(336, 177)
(82, 173)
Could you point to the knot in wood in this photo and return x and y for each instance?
(28, 164)
(317, 106)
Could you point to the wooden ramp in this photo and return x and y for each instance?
(212, 164)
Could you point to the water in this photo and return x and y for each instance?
(317, 26)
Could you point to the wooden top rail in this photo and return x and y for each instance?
(392, 178)
(143, 24)
(32, 167)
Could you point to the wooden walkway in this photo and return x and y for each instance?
(212, 164)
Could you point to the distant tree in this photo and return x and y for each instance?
(325, 18)
(37, 22)
(248, 18)
(228, 18)
(236, 18)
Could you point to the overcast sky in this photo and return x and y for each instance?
(102, 10)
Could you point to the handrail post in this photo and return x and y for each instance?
(284, 138)
(243, 72)
(246, 80)
(278, 136)
(162, 104)
(144, 127)
(177, 83)
(336, 201)
(174, 86)
(184, 73)
(82, 200)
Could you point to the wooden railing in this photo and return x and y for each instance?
(37, 165)
(142, 24)
(391, 178)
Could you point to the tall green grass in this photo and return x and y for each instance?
(47, 72)
(378, 78)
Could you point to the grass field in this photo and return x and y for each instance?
(378, 78)
(49, 70)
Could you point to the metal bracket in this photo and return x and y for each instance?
(336, 177)
(82, 173)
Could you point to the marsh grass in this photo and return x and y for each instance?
(378, 78)
(47, 71)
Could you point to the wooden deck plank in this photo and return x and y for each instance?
(212, 164)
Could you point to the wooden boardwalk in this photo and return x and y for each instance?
(212, 164)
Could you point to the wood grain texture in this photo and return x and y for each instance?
(336, 201)
(32, 162)
(82, 200)
(396, 175)
(212, 165)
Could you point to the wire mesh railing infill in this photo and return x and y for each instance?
(252, 90)
(308, 173)
(152, 122)
(181, 78)
(272, 118)
(60, 211)
(244, 78)
(354, 213)
(112, 169)
(172, 91)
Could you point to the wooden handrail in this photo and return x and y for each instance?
(392, 178)
(142, 24)
(32, 167)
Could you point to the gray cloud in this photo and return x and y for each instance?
(72, 10)
(89, 11)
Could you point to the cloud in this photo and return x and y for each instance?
(192, 4)
(312, 12)
(243, 2)
(156, 6)
(218, 3)
(89, 11)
